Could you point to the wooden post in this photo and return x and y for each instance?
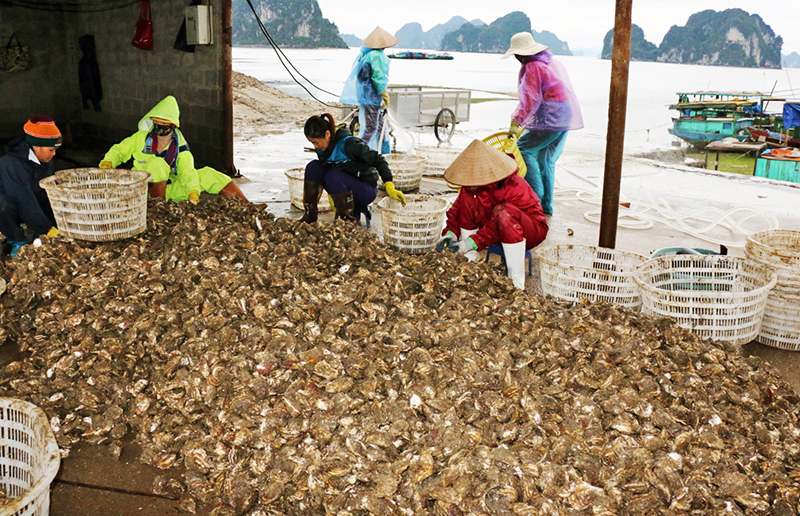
(615, 136)
(227, 89)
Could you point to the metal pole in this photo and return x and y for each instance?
(227, 89)
(615, 138)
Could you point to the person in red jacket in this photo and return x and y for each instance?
(494, 206)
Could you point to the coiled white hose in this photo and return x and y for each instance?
(644, 212)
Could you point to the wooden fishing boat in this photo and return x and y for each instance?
(708, 116)
(420, 55)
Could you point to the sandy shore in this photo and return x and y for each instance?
(259, 109)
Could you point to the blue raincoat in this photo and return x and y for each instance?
(364, 86)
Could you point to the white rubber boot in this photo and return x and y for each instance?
(515, 262)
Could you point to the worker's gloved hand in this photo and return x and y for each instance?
(463, 246)
(54, 232)
(385, 99)
(446, 241)
(515, 130)
(394, 193)
(106, 164)
(194, 197)
(15, 247)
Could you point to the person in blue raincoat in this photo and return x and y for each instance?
(366, 86)
(547, 109)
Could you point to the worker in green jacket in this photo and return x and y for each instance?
(160, 148)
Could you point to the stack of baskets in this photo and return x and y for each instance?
(779, 249)
(570, 272)
(296, 177)
(437, 159)
(98, 205)
(717, 297)
(416, 227)
(29, 460)
(406, 170)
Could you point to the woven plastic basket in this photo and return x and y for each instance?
(416, 227)
(717, 297)
(29, 458)
(406, 171)
(502, 142)
(296, 177)
(572, 272)
(98, 205)
(779, 249)
(437, 159)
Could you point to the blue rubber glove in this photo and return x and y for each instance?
(15, 247)
(463, 246)
(445, 241)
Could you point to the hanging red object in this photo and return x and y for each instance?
(143, 37)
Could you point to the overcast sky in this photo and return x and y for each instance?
(581, 23)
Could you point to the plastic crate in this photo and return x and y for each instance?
(416, 227)
(572, 272)
(98, 205)
(406, 171)
(717, 297)
(437, 159)
(296, 177)
(502, 142)
(29, 458)
(779, 249)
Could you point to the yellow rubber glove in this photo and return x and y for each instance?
(194, 197)
(54, 232)
(515, 130)
(106, 164)
(385, 99)
(395, 194)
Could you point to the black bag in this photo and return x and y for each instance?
(15, 58)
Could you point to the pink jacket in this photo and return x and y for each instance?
(546, 99)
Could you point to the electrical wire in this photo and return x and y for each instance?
(282, 57)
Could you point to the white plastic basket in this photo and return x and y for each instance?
(717, 297)
(296, 177)
(415, 227)
(29, 458)
(437, 159)
(406, 171)
(779, 249)
(98, 205)
(572, 272)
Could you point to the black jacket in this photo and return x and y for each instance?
(19, 184)
(360, 161)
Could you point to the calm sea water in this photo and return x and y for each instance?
(652, 86)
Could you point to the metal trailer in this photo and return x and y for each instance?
(416, 106)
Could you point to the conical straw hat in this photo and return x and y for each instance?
(379, 38)
(480, 164)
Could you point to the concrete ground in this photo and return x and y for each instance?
(665, 202)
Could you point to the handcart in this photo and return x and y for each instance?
(417, 106)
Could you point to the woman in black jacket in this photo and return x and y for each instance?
(346, 168)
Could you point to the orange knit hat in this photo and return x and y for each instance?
(42, 132)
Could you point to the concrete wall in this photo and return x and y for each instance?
(133, 80)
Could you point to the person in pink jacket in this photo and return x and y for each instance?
(547, 109)
(495, 206)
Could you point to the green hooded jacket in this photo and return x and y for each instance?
(186, 178)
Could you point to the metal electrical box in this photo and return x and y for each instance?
(198, 25)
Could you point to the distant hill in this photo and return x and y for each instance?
(791, 61)
(641, 49)
(351, 40)
(291, 23)
(495, 37)
(728, 38)
(411, 35)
